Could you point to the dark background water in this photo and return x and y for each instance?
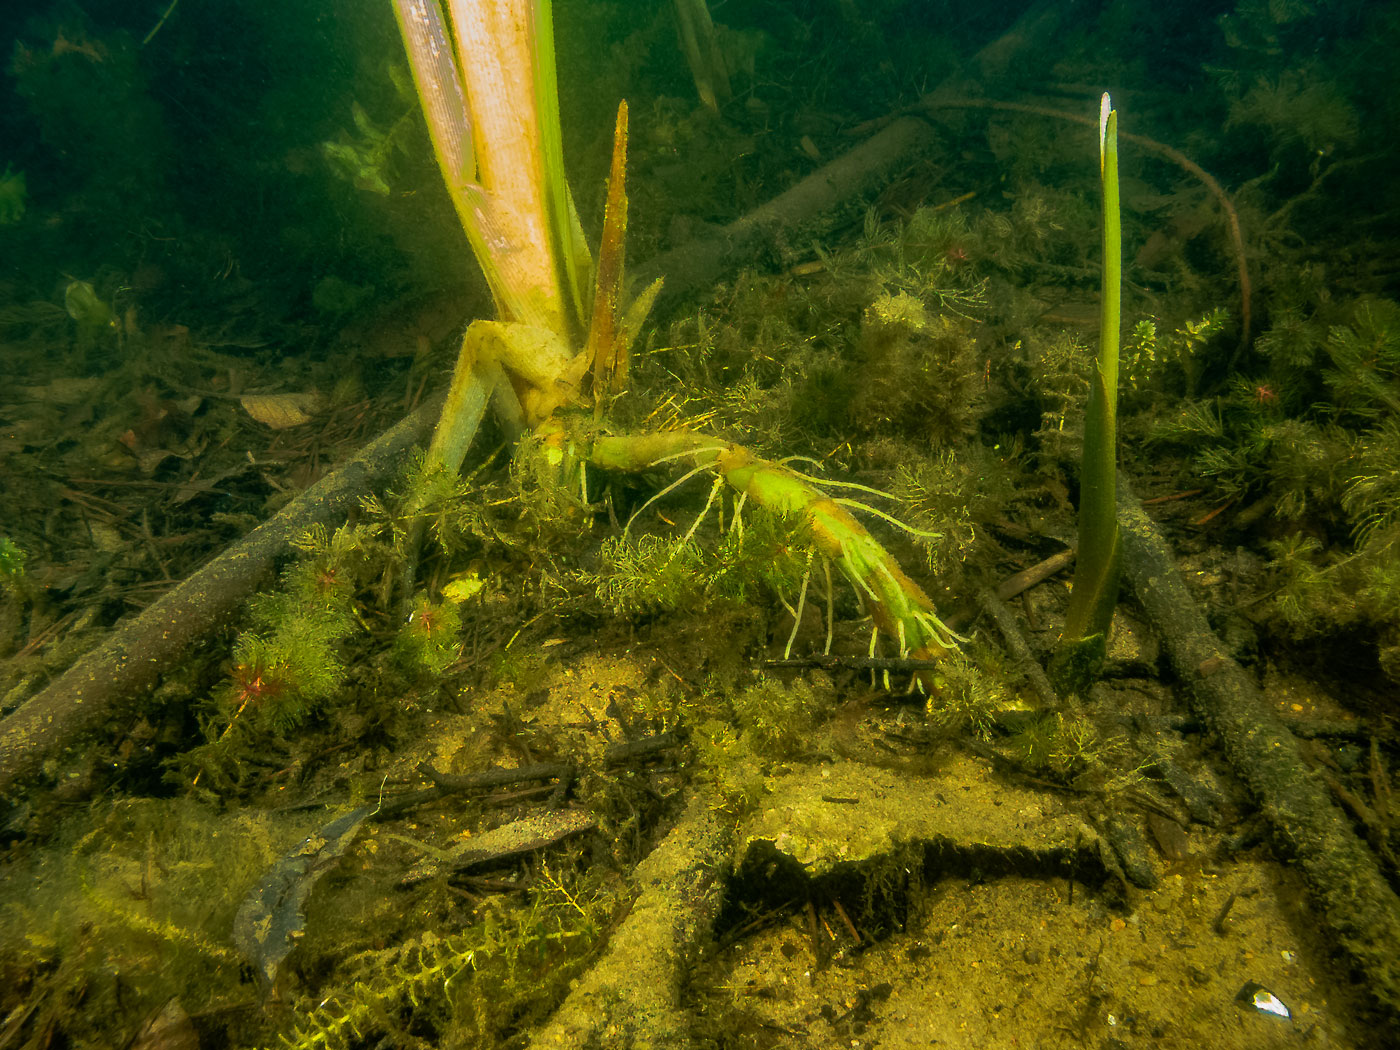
(186, 174)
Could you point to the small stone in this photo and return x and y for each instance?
(1210, 666)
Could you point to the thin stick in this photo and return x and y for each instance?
(1038, 573)
(163, 18)
(830, 607)
(858, 663)
(847, 920)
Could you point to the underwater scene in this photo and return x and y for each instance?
(699, 524)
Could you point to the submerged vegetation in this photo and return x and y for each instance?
(825, 458)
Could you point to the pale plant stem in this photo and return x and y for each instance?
(830, 606)
(715, 490)
(801, 606)
(857, 505)
(664, 492)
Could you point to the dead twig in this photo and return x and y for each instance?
(1037, 573)
(855, 663)
(614, 755)
(1025, 661)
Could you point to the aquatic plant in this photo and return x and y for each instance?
(968, 697)
(1065, 745)
(503, 167)
(92, 315)
(919, 372)
(702, 52)
(1300, 108)
(131, 903)
(1095, 591)
(899, 608)
(503, 967)
(428, 642)
(13, 193)
(759, 552)
(12, 559)
(364, 158)
(1312, 441)
(285, 662)
(490, 96)
(1365, 356)
(743, 732)
(1148, 356)
(779, 719)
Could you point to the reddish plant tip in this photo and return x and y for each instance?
(254, 683)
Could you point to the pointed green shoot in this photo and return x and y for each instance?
(1095, 590)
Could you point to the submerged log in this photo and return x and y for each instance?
(699, 263)
(632, 995)
(1348, 891)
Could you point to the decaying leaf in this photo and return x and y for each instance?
(168, 1029)
(270, 921)
(280, 411)
(525, 835)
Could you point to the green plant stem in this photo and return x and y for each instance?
(1096, 571)
(900, 608)
(485, 76)
(467, 397)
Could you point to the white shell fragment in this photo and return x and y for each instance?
(1261, 999)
